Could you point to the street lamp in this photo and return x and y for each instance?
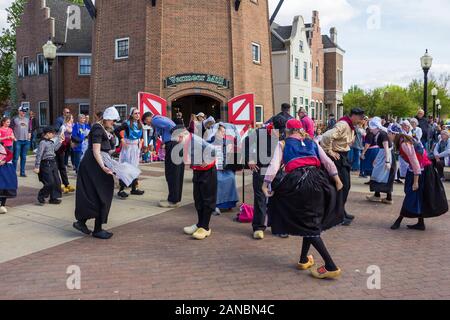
(434, 93)
(426, 61)
(438, 103)
(49, 50)
(439, 112)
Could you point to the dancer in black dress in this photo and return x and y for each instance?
(95, 182)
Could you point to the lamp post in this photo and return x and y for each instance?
(426, 61)
(49, 50)
(439, 107)
(438, 103)
(434, 93)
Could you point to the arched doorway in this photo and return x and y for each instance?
(194, 104)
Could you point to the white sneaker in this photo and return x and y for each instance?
(3, 210)
(191, 229)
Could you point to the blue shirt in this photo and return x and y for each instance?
(79, 134)
(163, 127)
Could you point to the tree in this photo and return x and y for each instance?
(396, 102)
(355, 97)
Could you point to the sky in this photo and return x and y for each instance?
(383, 39)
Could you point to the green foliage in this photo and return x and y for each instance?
(397, 101)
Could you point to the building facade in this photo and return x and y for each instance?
(43, 20)
(322, 63)
(197, 54)
(291, 60)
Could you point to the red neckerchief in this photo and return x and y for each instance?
(349, 122)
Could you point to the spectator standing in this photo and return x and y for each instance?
(6, 134)
(21, 129)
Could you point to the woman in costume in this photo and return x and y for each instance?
(95, 182)
(8, 178)
(303, 201)
(227, 195)
(384, 166)
(131, 148)
(424, 193)
(368, 154)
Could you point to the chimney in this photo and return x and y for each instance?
(315, 17)
(333, 35)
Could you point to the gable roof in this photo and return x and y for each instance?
(78, 41)
(328, 43)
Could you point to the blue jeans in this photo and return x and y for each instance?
(354, 158)
(21, 148)
(76, 159)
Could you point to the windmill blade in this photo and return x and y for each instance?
(90, 8)
(275, 13)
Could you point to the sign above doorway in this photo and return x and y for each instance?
(241, 112)
(153, 103)
(173, 81)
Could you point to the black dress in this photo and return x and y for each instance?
(95, 188)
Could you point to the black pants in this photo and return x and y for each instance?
(343, 166)
(205, 195)
(62, 168)
(439, 167)
(174, 174)
(2, 202)
(259, 203)
(49, 176)
(134, 185)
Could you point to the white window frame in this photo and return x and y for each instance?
(37, 64)
(262, 114)
(116, 48)
(83, 104)
(297, 68)
(301, 46)
(47, 113)
(254, 44)
(79, 67)
(120, 106)
(305, 71)
(26, 67)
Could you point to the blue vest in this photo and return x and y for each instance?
(294, 149)
(133, 133)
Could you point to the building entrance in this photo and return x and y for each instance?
(195, 104)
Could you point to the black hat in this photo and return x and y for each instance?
(48, 129)
(357, 111)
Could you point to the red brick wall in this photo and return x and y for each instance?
(317, 57)
(190, 36)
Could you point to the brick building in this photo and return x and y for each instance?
(197, 54)
(41, 20)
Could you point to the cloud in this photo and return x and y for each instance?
(331, 11)
(3, 5)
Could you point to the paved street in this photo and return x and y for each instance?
(150, 258)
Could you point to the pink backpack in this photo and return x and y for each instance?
(245, 214)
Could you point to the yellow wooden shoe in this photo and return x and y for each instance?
(323, 273)
(307, 265)
(201, 234)
(65, 190)
(190, 230)
(69, 188)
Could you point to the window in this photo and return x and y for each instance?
(259, 114)
(296, 72)
(26, 69)
(84, 66)
(294, 105)
(122, 48)
(122, 109)
(41, 68)
(84, 109)
(305, 71)
(43, 113)
(313, 110)
(306, 103)
(301, 46)
(301, 100)
(256, 53)
(317, 73)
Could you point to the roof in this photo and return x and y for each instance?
(328, 43)
(277, 44)
(283, 32)
(78, 41)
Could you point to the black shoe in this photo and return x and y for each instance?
(367, 183)
(349, 216)
(55, 201)
(41, 200)
(347, 222)
(122, 194)
(418, 226)
(399, 181)
(23, 175)
(395, 226)
(105, 235)
(81, 227)
(137, 192)
(283, 236)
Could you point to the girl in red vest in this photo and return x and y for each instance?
(424, 193)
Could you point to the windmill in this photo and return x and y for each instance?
(275, 13)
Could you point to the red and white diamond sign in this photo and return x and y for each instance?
(241, 112)
(153, 103)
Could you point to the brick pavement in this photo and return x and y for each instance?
(152, 259)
